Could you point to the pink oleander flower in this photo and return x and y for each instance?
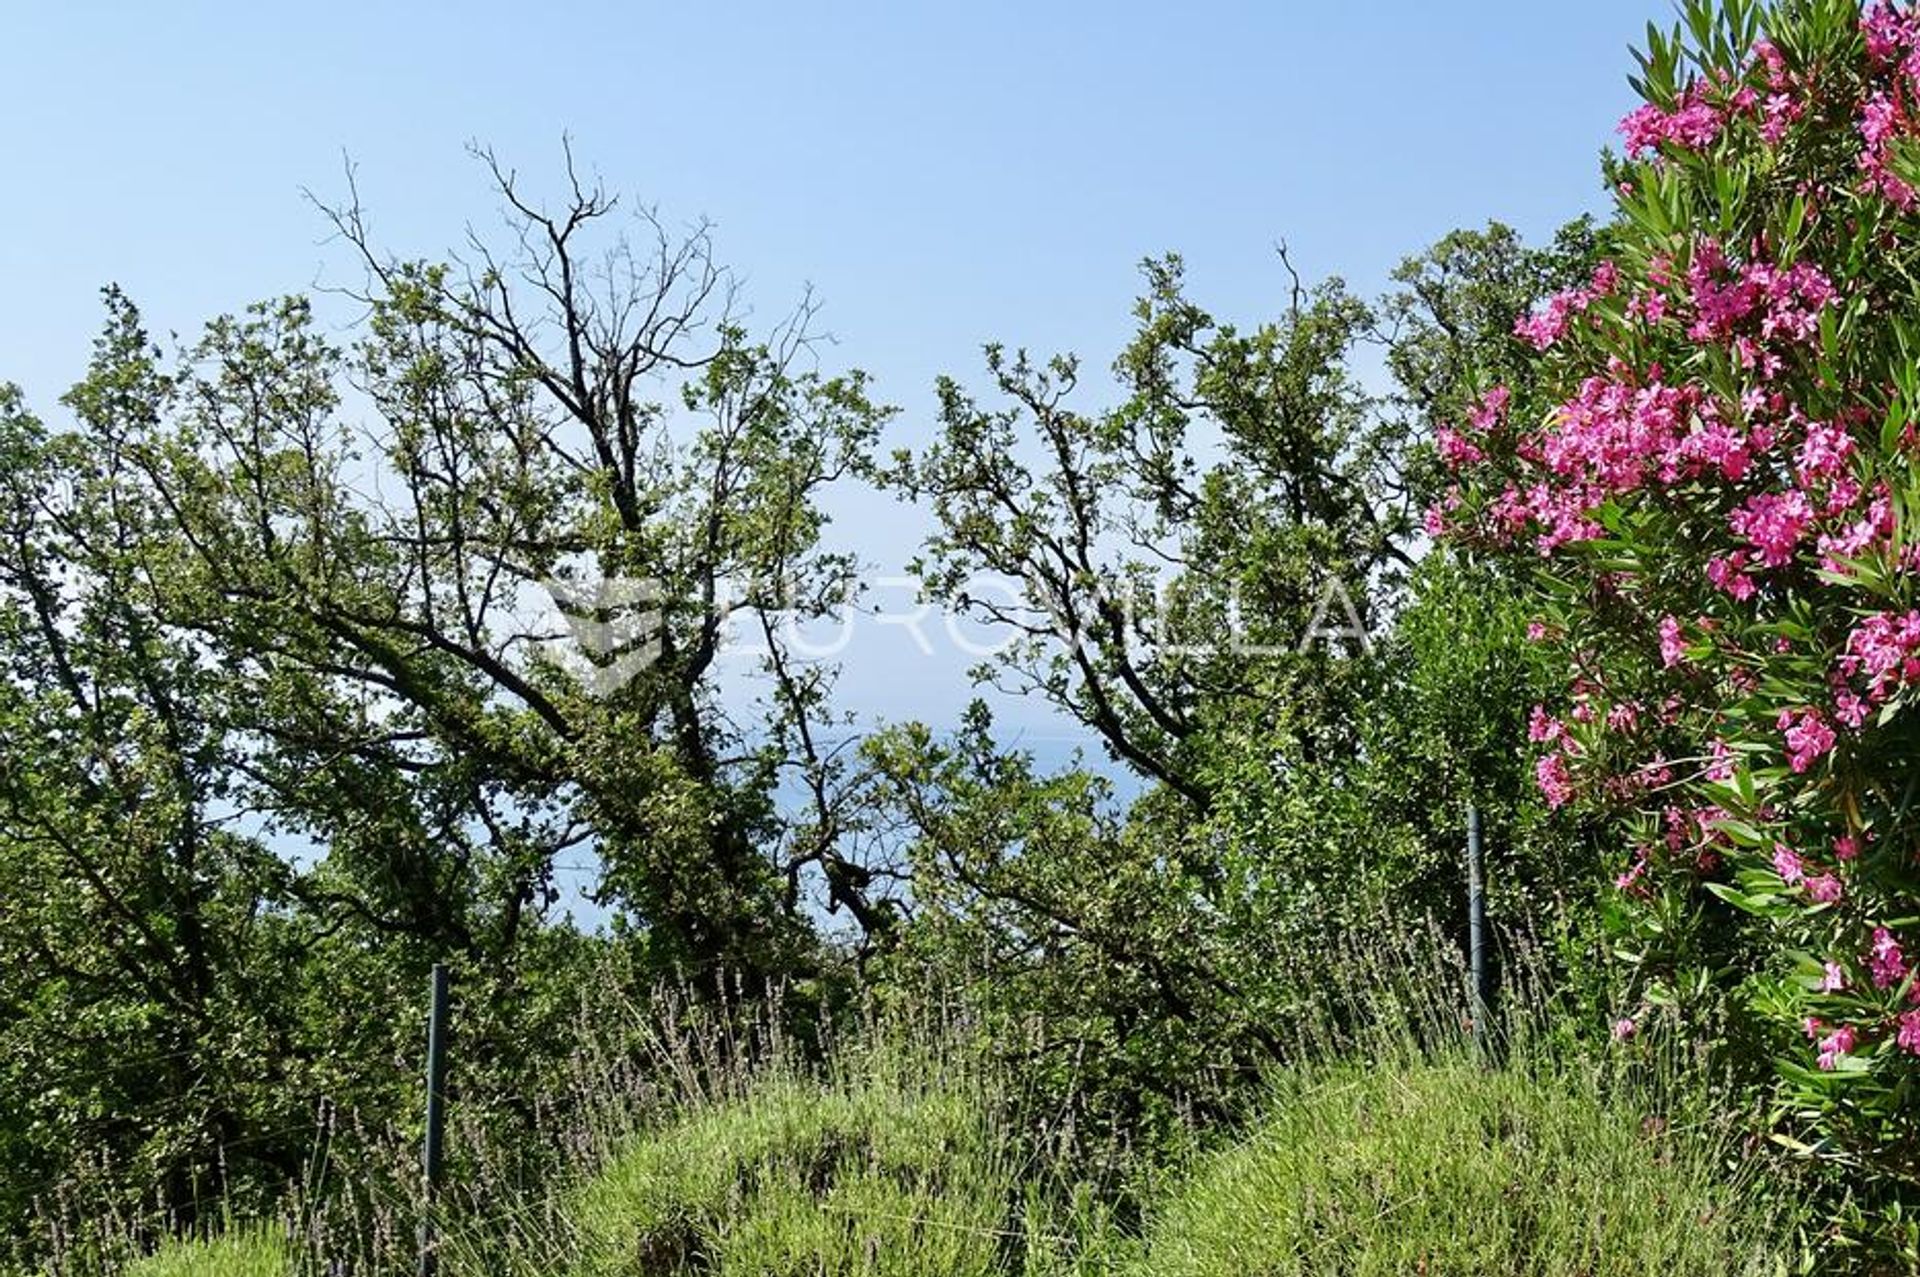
(1825, 889)
(1545, 326)
(1456, 450)
(1808, 737)
(1846, 847)
(1888, 32)
(1787, 863)
(1722, 766)
(1823, 453)
(1908, 1037)
(1883, 648)
(1780, 112)
(1886, 964)
(1840, 1042)
(1728, 573)
(1673, 648)
(1491, 410)
(1624, 1029)
(1773, 524)
(1879, 128)
(1556, 784)
(1833, 979)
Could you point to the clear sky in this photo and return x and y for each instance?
(943, 175)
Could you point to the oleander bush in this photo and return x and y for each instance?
(1714, 478)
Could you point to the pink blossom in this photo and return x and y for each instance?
(1625, 1029)
(1886, 964)
(1908, 1038)
(1807, 735)
(1542, 726)
(1779, 113)
(1556, 785)
(1673, 648)
(1728, 572)
(1833, 979)
(1825, 889)
(1787, 863)
(1773, 524)
(1794, 296)
(1846, 847)
(1879, 126)
(1836, 1044)
(1547, 324)
(1882, 647)
(1824, 452)
(1455, 449)
(1716, 446)
(1887, 31)
(1491, 410)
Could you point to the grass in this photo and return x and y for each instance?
(1413, 1161)
(1382, 1148)
(240, 1252)
(892, 1166)
(1442, 1167)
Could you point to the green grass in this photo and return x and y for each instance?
(244, 1252)
(1390, 1152)
(1446, 1168)
(889, 1168)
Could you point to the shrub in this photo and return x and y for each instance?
(1442, 1168)
(890, 1168)
(1717, 488)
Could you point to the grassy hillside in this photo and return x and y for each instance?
(900, 1161)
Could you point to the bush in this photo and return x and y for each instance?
(1441, 1168)
(889, 1168)
(1718, 484)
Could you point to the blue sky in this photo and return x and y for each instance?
(943, 175)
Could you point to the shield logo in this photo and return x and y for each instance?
(616, 626)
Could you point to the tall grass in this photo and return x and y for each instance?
(698, 1144)
(251, 1251)
(893, 1163)
(1440, 1165)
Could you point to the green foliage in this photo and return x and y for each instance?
(1196, 561)
(287, 717)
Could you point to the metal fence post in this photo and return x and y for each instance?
(431, 1153)
(1477, 930)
